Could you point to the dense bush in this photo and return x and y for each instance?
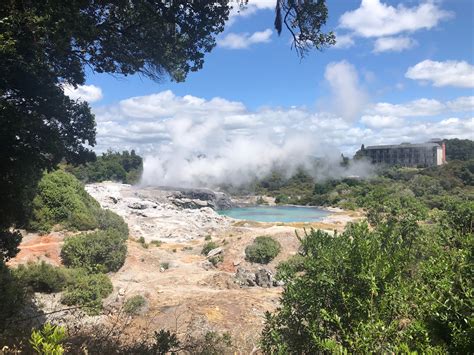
(87, 290)
(459, 149)
(42, 277)
(112, 222)
(400, 286)
(134, 304)
(262, 250)
(125, 167)
(101, 251)
(12, 294)
(208, 247)
(61, 199)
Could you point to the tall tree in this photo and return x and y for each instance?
(47, 44)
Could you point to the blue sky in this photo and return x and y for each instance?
(402, 70)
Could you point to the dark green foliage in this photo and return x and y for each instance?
(112, 222)
(87, 290)
(9, 241)
(81, 288)
(208, 247)
(42, 277)
(134, 304)
(12, 294)
(262, 250)
(101, 251)
(397, 287)
(61, 199)
(125, 167)
(459, 149)
(164, 343)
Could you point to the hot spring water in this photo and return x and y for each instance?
(284, 214)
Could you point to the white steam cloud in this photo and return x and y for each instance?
(191, 141)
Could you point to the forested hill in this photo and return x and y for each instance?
(126, 167)
(432, 186)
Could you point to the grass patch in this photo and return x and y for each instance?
(134, 304)
(208, 247)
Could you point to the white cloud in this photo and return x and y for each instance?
(422, 107)
(348, 96)
(393, 44)
(249, 9)
(89, 93)
(465, 103)
(344, 41)
(244, 40)
(447, 73)
(376, 19)
(378, 121)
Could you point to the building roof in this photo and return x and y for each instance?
(404, 145)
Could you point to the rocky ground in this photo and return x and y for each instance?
(183, 289)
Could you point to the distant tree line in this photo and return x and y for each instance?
(125, 167)
(459, 149)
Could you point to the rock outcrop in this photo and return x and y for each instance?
(199, 198)
(262, 277)
(163, 213)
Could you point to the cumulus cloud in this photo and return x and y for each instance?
(89, 93)
(378, 121)
(424, 107)
(344, 41)
(244, 40)
(348, 96)
(376, 19)
(415, 108)
(447, 73)
(251, 8)
(393, 44)
(465, 103)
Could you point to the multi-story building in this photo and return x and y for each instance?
(427, 154)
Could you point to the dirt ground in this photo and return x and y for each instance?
(189, 294)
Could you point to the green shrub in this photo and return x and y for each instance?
(165, 265)
(142, 241)
(208, 247)
(134, 304)
(156, 243)
(81, 221)
(263, 250)
(42, 277)
(110, 221)
(207, 238)
(87, 290)
(398, 286)
(61, 199)
(100, 251)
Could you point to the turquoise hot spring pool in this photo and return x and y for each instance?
(284, 214)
